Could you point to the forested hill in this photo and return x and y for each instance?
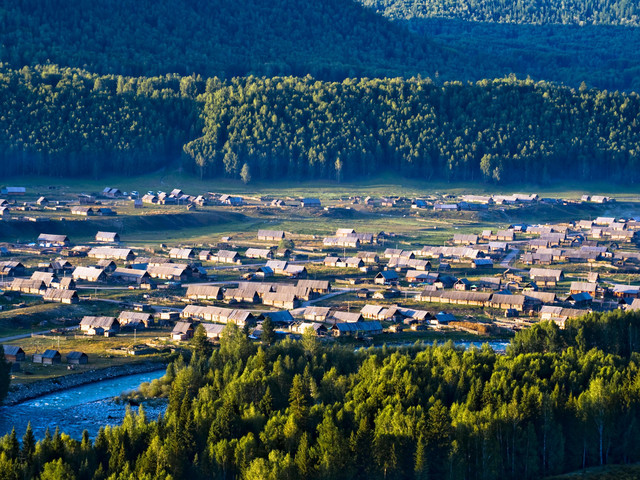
(68, 122)
(569, 12)
(330, 39)
(498, 131)
(558, 401)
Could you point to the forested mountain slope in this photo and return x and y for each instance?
(330, 40)
(569, 12)
(68, 122)
(499, 131)
(224, 38)
(556, 402)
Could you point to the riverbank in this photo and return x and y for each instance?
(23, 392)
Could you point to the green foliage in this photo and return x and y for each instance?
(299, 128)
(67, 122)
(439, 412)
(213, 38)
(614, 332)
(57, 470)
(572, 12)
(268, 336)
(286, 243)
(200, 343)
(494, 130)
(310, 342)
(245, 174)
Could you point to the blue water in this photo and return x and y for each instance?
(86, 407)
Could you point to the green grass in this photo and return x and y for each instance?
(42, 316)
(97, 348)
(153, 225)
(388, 184)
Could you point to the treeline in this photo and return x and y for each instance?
(603, 56)
(570, 12)
(301, 410)
(333, 39)
(330, 40)
(615, 332)
(58, 121)
(65, 122)
(493, 130)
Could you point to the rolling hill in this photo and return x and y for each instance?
(331, 39)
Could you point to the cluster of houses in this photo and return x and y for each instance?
(511, 271)
(109, 326)
(16, 355)
(178, 197)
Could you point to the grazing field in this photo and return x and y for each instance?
(103, 352)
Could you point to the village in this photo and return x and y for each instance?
(109, 294)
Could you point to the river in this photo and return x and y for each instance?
(76, 409)
(91, 406)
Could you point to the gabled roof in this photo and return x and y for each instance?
(504, 299)
(87, 272)
(182, 327)
(584, 287)
(388, 275)
(75, 355)
(282, 316)
(317, 311)
(354, 327)
(371, 310)
(258, 252)
(47, 237)
(203, 290)
(545, 273)
(110, 236)
(55, 294)
(130, 272)
(349, 317)
(181, 252)
(271, 233)
(134, 316)
(111, 252)
(99, 322)
(212, 329)
(12, 350)
(314, 284)
(580, 297)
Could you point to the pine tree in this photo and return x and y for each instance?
(268, 335)
(28, 444)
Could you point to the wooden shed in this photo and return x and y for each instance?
(77, 358)
(13, 353)
(49, 357)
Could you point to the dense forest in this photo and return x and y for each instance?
(569, 12)
(499, 131)
(88, 88)
(69, 122)
(558, 401)
(332, 39)
(603, 56)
